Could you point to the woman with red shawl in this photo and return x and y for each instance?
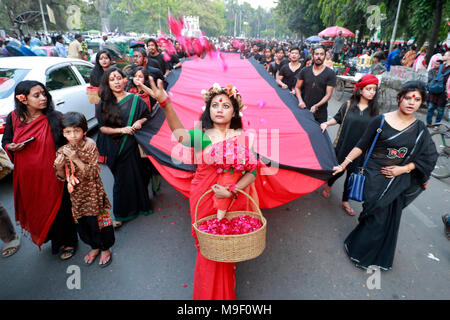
(220, 124)
(32, 136)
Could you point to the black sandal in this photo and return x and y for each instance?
(65, 251)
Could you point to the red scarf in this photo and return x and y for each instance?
(37, 192)
(144, 96)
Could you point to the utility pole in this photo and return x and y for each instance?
(235, 23)
(43, 18)
(240, 21)
(395, 26)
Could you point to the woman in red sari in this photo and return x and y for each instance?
(221, 124)
(42, 204)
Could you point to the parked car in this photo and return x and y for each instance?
(50, 51)
(65, 78)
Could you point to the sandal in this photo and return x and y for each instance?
(103, 259)
(67, 253)
(349, 210)
(326, 193)
(11, 247)
(91, 257)
(117, 224)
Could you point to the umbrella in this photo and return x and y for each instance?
(314, 39)
(333, 32)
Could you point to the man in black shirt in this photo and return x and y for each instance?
(287, 76)
(315, 86)
(140, 59)
(181, 54)
(174, 62)
(153, 53)
(267, 59)
(278, 62)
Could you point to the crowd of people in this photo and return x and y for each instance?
(74, 201)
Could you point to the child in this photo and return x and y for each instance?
(76, 162)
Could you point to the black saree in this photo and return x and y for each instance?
(130, 194)
(373, 241)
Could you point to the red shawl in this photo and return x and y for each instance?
(37, 192)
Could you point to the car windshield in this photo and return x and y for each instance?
(9, 77)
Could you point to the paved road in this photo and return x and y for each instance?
(154, 256)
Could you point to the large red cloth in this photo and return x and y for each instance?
(37, 192)
(286, 135)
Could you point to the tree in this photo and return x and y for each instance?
(435, 31)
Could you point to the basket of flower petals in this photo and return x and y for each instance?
(240, 236)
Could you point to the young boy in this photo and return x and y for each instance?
(76, 162)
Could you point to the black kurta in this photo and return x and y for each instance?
(130, 194)
(353, 128)
(374, 240)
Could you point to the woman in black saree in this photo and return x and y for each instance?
(396, 173)
(119, 115)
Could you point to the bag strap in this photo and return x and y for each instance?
(130, 121)
(373, 143)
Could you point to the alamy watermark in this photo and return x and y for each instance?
(74, 280)
(374, 281)
(265, 142)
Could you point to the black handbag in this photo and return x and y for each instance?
(357, 179)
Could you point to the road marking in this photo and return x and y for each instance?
(422, 217)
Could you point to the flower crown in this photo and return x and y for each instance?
(229, 90)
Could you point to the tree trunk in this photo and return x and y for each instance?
(434, 34)
(420, 42)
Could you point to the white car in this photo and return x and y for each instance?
(65, 78)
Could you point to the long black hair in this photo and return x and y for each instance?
(53, 117)
(374, 107)
(97, 73)
(206, 121)
(24, 87)
(110, 108)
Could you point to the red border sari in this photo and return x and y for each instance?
(37, 192)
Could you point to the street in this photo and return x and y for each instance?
(154, 256)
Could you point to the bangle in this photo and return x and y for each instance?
(163, 103)
(348, 159)
(408, 168)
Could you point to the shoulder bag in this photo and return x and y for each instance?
(356, 181)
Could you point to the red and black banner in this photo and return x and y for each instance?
(288, 138)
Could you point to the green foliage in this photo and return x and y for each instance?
(416, 18)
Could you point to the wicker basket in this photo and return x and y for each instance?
(232, 248)
(92, 93)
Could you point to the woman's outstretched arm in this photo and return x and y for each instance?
(158, 93)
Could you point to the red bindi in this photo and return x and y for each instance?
(220, 100)
(413, 95)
